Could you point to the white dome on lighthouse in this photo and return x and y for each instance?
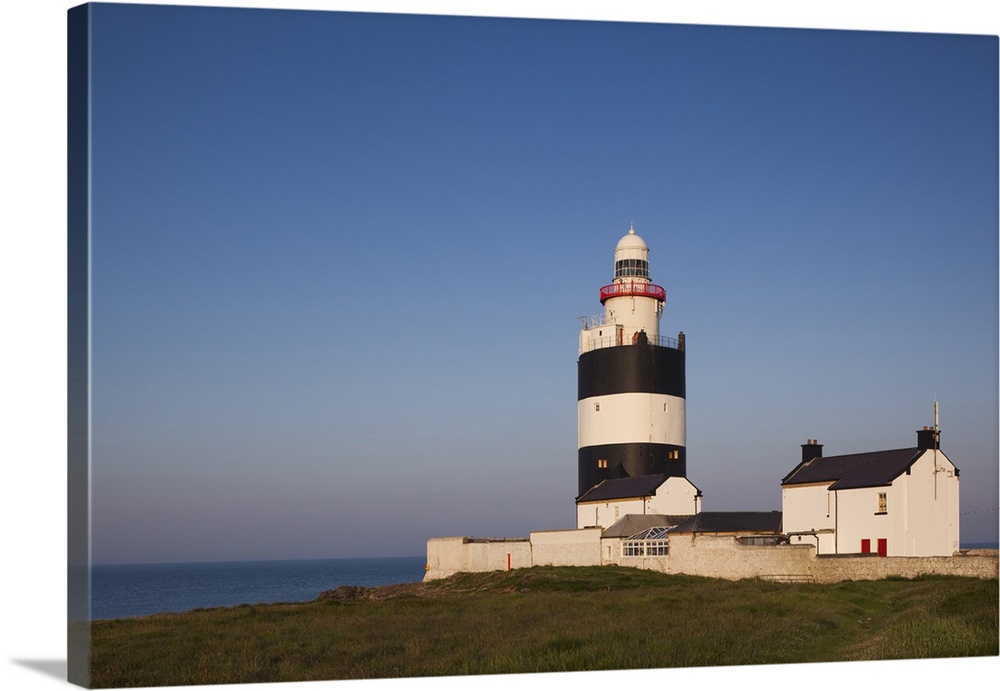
(631, 257)
(631, 241)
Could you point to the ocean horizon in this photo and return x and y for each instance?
(981, 545)
(134, 590)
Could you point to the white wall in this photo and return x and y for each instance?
(724, 557)
(810, 507)
(932, 505)
(675, 497)
(921, 517)
(450, 555)
(604, 513)
(701, 555)
(566, 547)
(631, 418)
(447, 556)
(634, 314)
(859, 521)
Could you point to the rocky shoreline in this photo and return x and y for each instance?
(382, 592)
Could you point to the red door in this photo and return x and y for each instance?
(866, 546)
(883, 548)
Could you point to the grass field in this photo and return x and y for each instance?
(550, 620)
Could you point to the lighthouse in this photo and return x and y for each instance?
(630, 380)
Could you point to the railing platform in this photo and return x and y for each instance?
(633, 288)
(612, 341)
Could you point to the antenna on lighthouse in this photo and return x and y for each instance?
(936, 428)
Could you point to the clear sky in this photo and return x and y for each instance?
(338, 261)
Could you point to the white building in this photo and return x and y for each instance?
(611, 500)
(902, 502)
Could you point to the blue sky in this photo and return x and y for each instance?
(338, 261)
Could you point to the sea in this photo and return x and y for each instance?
(135, 590)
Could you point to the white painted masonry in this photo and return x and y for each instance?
(629, 418)
(714, 556)
(917, 515)
(675, 497)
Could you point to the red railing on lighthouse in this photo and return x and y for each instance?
(648, 290)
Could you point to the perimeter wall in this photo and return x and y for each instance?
(724, 557)
(974, 564)
(712, 556)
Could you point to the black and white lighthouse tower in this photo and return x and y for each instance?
(630, 387)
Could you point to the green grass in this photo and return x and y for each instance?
(550, 620)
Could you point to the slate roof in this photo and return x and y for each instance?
(731, 522)
(874, 469)
(624, 488)
(633, 523)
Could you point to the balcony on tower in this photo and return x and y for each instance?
(598, 333)
(633, 289)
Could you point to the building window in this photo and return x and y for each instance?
(761, 540)
(645, 548)
(651, 542)
(602, 463)
(597, 407)
(882, 504)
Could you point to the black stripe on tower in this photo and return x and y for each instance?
(639, 368)
(631, 369)
(612, 461)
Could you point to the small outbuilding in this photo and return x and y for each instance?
(901, 502)
(607, 502)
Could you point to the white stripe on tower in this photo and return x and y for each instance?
(627, 418)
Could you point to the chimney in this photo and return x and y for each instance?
(928, 438)
(811, 449)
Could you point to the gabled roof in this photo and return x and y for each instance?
(633, 523)
(624, 488)
(874, 469)
(731, 522)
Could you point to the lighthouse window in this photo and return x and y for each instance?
(597, 407)
(631, 267)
